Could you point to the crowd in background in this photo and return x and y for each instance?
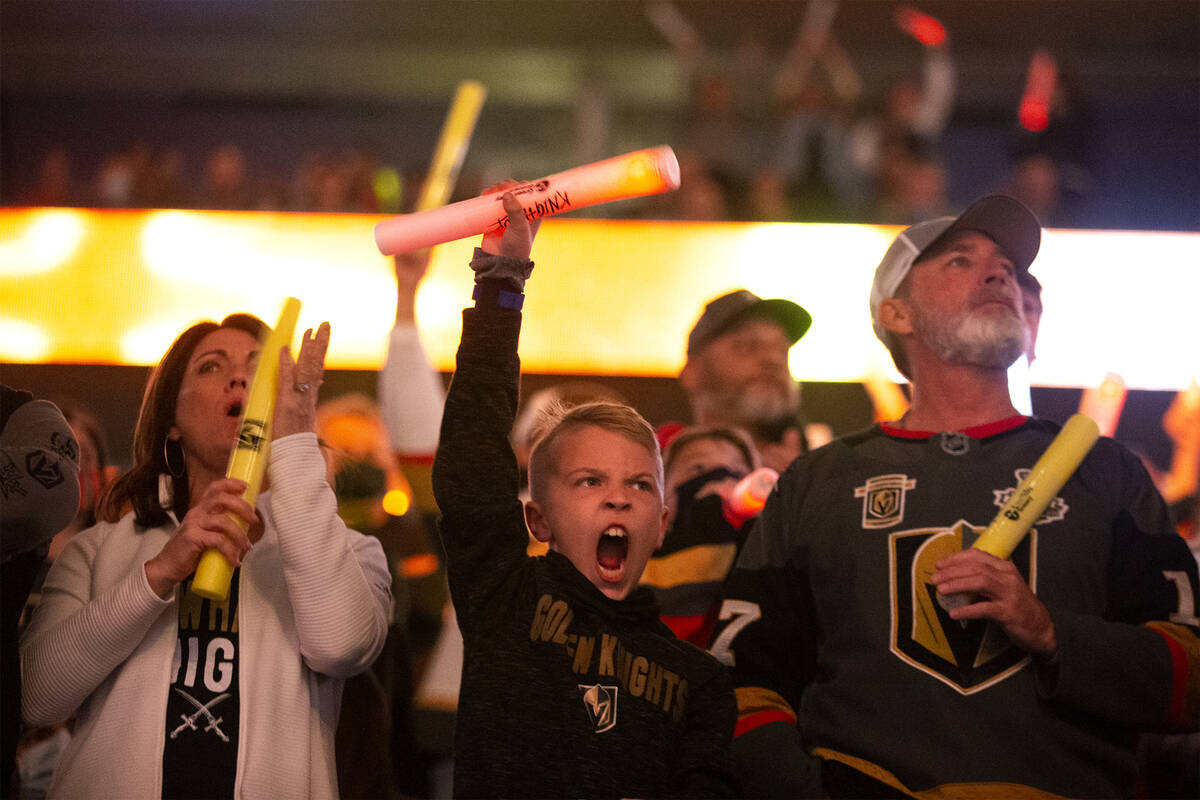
(761, 136)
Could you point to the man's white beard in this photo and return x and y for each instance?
(972, 338)
(755, 404)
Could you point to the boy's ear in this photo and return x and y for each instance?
(662, 533)
(536, 521)
(896, 316)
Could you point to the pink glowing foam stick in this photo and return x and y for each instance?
(642, 172)
(746, 499)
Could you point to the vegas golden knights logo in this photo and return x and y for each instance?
(250, 437)
(601, 704)
(883, 499)
(968, 655)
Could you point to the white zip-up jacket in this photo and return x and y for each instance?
(314, 600)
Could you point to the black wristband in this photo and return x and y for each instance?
(495, 294)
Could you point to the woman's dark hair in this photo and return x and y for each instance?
(139, 486)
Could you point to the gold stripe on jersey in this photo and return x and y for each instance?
(1186, 716)
(944, 791)
(704, 562)
(755, 700)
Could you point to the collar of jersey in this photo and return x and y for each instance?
(975, 432)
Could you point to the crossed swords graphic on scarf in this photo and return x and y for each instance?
(202, 709)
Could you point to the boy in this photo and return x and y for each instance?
(701, 465)
(571, 686)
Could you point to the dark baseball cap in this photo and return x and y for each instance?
(1006, 221)
(729, 310)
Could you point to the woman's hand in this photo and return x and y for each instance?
(207, 525)
(296, 403)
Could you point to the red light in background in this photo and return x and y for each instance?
(922, 27)
(1033, 115)
(1042, 80)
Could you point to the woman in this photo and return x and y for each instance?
(177, 696)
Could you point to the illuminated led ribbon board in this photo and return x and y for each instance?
(608, 297)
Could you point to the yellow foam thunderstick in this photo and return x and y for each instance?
(452, 145)
(1033, 494)
(248, 461)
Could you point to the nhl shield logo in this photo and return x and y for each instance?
(601, 704)
(883, 499)
(967, 655)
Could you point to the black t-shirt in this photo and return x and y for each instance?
(200, 753)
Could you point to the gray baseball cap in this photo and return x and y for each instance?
(1005, 220)
(727, 311)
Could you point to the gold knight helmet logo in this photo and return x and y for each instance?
(883, 500)
(968, 655)
(601, 704)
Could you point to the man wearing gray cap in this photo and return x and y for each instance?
(854, 677)
(737, 374)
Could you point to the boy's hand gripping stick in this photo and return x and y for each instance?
(1032, 495)
(636, 174)
(248, 461)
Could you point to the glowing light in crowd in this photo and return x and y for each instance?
(40, 242)
(1040, 83)
(922, 27)
(22, 342)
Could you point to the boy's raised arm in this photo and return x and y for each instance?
(475, 476)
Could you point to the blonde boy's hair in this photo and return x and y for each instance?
(560, 418)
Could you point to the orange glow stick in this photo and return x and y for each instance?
(642, 172)
(1104, 403)
(452, 145)
(887, 398)
(248, 461)
(1034, 493)
(748, 496)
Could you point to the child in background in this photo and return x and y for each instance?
(571, 686)
(702, 466)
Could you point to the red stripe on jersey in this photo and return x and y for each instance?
(1179, 671)
(757, 720)
(975, 432)
(694, 628)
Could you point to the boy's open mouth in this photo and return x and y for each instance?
(610, 553)
(234, 410)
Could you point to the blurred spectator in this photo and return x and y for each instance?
(224, 184)
(736, 373)
(39, 465)
(913, 113)
(913, 184)
(118, 176)
(729, 103)
(700, 466)
(1053, 154)
(811, 151)
(699, 197)
(161, 182)
(39, 749)
(768, 199)
(55, 183)
(362, 471)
